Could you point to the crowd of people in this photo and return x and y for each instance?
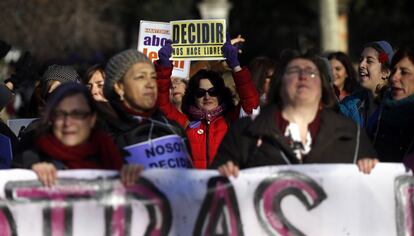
(296, 109)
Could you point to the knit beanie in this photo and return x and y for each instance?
(61, 73)
(5, 96)
(118, 65)
(382, 46)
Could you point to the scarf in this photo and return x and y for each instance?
(200, 114)
(398, 113)
(146, 114)
(99, 152)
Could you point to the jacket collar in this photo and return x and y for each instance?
(264, 125)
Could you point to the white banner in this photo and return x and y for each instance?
(284, 200)
(152, 36)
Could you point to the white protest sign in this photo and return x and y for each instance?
(152, 36)
(278, 200)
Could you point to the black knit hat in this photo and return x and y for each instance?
(61, 73)
(118, 65)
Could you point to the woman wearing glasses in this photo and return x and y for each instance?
(68, 139)
(298, 125)
(207, 105)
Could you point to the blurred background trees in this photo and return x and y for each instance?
(87, 31)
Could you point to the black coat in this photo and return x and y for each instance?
(127, 130)
(393, 133)
(335, 142)
(6, 131)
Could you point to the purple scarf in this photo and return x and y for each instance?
(199, 114)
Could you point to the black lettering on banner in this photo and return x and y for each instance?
(178, 146)
(156, 203)
(7, 223)
(183, 33)
(270, 193)
(169, 147)
(212, 32)
(176, 34)
(150, 152)
(172, 163)
(219, 213)
(404, 195)
(220, 33)
(191, 29)
(198, 33)
(160, 150)
(152, 165)
(205, 33)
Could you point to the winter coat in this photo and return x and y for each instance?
(6, 131)
(393, 133)
(259, 142)
(204, 137)
(360, 107)
(127, 130)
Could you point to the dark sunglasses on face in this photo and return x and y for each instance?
(212, 92)
(75, 114)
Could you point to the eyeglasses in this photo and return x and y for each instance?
(75, 114)
(297, 72)
(212, 92)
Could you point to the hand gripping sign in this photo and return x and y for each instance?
(165, 152)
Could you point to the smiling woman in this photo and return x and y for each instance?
(136, 123)
(374, 70)
(68, 139)
(393, 133)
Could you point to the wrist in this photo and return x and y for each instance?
(237, 69)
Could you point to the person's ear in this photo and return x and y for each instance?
(119, 89)
(385, 74)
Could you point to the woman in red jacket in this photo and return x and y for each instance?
(207, 106)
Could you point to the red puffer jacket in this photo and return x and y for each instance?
(205, 138)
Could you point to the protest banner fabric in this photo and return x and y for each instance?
(198, 39)
(152, 36)
(282, 200)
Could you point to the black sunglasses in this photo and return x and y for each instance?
(212, 92)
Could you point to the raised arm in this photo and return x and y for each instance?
(249, 97)
(164, 69)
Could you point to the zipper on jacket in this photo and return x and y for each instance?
(207, 155)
